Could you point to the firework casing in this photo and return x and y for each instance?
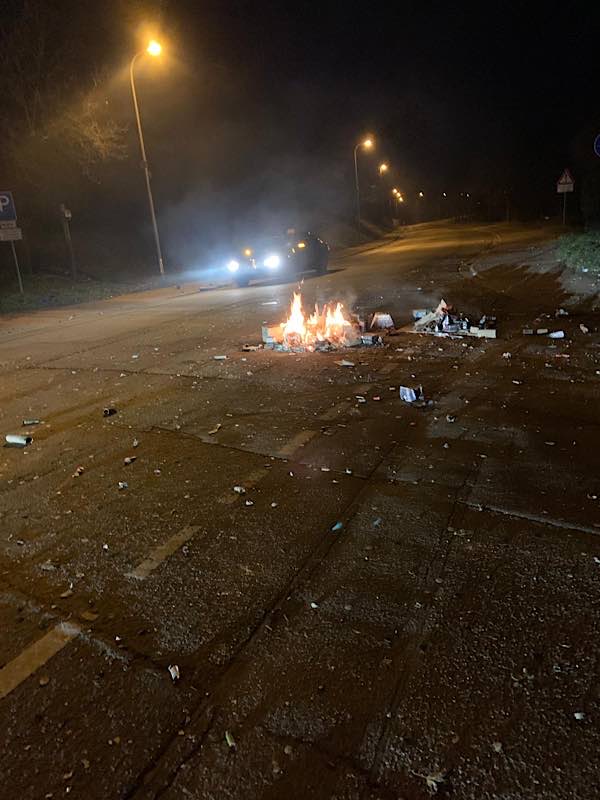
(17, 440)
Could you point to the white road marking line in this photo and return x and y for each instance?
(163, 551)
(35, 656)
(248, 483)
(295, 443)
(549, 521)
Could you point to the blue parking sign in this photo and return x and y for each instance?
(8, 212)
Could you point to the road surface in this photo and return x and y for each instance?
(443, 640)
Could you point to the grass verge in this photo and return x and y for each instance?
(581, 251)
(44, 291)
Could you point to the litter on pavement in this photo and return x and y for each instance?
(381, 321)
(219, 358)
(174, 672)
(129, 460)
(229, 739)
(16, 440)
(411, 395)
(337, 527)
(109, 412)
(445, 321)
(123, 485)
(556, 335)
(239, 490)
(27, 422)
(216, 429)
(344, 363)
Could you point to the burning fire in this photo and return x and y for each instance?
(328, 324)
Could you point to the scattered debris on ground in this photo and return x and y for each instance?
(230, 740)
(410, 395)
(344, 363)
(381, 321)
(16, 440)
(445, 321)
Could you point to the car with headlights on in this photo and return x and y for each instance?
(287, 256)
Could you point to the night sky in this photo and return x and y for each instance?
(257, 105)
(445, 83)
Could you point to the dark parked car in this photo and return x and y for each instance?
(287, 255)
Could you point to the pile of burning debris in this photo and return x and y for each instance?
(329, 327)
(445, 321)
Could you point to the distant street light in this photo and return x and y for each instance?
(421, 194)
(154, 49)
(366, 144)
(383, 168)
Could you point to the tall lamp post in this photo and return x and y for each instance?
(154, 49)
(367, 144)
(382, 169)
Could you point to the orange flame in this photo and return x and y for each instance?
(328, 324)
(295, 324)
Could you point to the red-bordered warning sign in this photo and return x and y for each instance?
(565, 182)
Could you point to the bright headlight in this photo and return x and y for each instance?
(272, 261)
(233, 265)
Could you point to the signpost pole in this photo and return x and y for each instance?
(65, 217)
(14, 250)
(565, 185)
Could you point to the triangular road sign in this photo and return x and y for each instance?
(566, 177)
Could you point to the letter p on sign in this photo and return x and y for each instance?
(7, 207)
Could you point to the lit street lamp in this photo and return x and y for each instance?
(383, 168)
(154, 49)
(367, 144)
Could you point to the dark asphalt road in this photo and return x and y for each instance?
(444, 641)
